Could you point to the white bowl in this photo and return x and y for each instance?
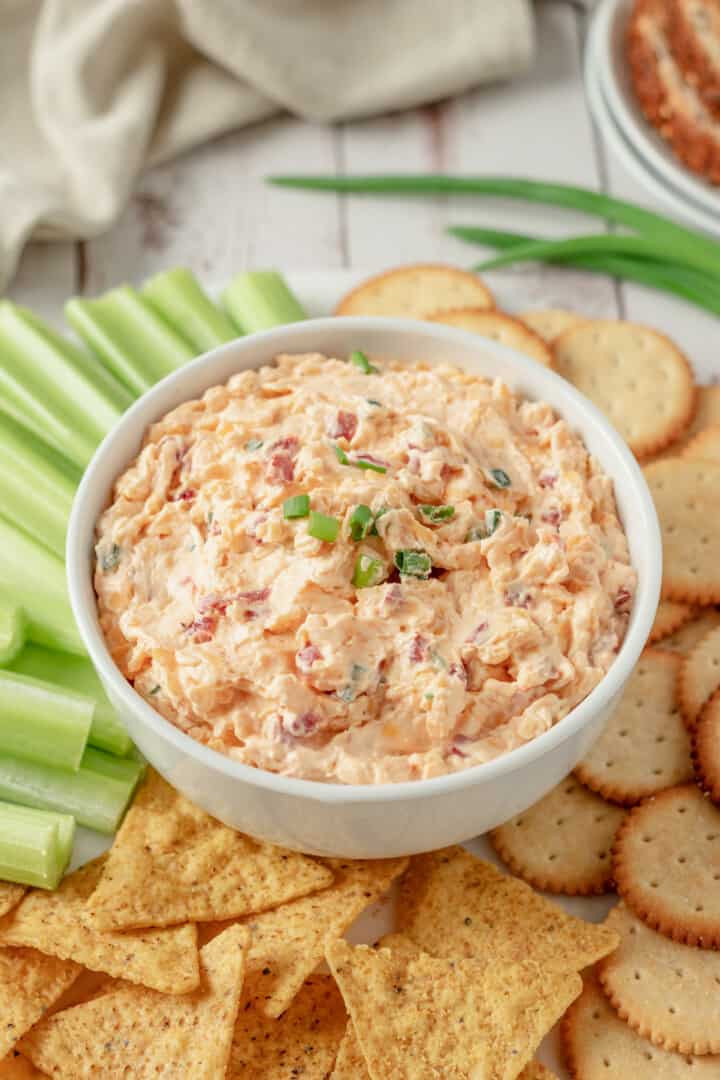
(374, 821)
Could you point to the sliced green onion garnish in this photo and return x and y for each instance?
(110, 559)
(437, 513)
(253, 444)
(481, 532)
(297, 506)
(413, 563)
(361, 521)
(342, 456)
(499, 478)
(359, 462)
(372, 401)
(380, 513)
(368, 571)
(360, 360)
(323, 527)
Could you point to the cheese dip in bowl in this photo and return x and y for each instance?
(364, 563)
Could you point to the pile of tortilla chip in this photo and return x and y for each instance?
(190, 950)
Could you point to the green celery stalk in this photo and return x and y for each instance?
(261, 299)
(97, 795)
(178, 297)
(130, 338)
(34, 579)
(12, 632)
(35, 845)
(35, 494)
(43, 722)
(76, 673)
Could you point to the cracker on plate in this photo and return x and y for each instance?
(705, 446)
(416, 291)
(563, 843)
(686, 638)
(499, 327)
(687, 500)
(706, 414)
(30, 983)
(644, 746)
(172, 863)
(423, 1016)
(136, 1031)
(288, 943)
(638, 377)
(667, 865)
(699, 676)
(549, 323)
(455, 905)
(53, 922)
(665, 991)
(304, 1042)
(598, 1045)
(669, 617)
(706, 748)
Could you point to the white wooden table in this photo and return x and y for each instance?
(211, 210)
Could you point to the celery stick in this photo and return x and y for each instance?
(12, 632)
(259, 300)
(129, 336)
(96, 795)
(35, 845)
(77, 673)
(34, 494)
(50, 386)
(43, 722)
(34, 579)
(178, 297)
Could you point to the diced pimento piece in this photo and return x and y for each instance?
(185, 496)
(459, 671)
(281, 468)
(291, 443)
(418, 649)
(548, 480)
(202, 630)
(213, 602)
(623, 599)
(306, 657)
(301, 726)
(477, 634)
(344, 426)
(255, 596)
(518, 598)
(551, 517)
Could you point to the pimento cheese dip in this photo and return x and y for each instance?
(363, 572)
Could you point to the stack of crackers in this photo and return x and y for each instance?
(189, 950)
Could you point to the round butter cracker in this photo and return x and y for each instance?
(667, 865)
(563, 843)
(665, 991)
(705, 446)
(638, 377)
(499, 327)
(699, 676)
(549, 323)
(644, 747)
(416, 292)
(706, 748)
(685, 639)
(669, 617)
(687, 500)
(598, 1045)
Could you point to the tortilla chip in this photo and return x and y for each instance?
(289, 943)
(10, 896)
(17, 1067)
(139, 1032)
(52, 922)
(303, 1042)
(350, 1063)
(173, 863)
(29, 984)
(422, 1016)
(455, 905)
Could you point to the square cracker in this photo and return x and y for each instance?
(137, 1032)
(288, 943)
(455, 905)
(53, 922)
(422, 1016)
(303, 1042)
(173, 863)
(29, 984)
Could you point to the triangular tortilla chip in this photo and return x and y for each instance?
(173, 863)
(141, 1033)
(17, 1067)
(10, 896)
(52, 922)
(303, 1042)
(349, 1063)
(455, 905)
(29, 984)
(288, 943)
(421, 1016)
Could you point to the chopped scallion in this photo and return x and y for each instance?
(368, 572)
(358, 462)
(434, 514)
(297, 506)
(361, 521)
(360, 360)
(323, 527)
(110, 559)
(413, 563)
(499, 478)
(372, 401)
(253, 444)
(481, 532)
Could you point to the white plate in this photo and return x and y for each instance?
(319, 291)
(627, 152)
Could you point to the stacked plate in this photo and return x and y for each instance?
(621, 122)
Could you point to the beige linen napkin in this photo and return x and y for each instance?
(93, 90)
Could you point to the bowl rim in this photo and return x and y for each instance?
(79, 575)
